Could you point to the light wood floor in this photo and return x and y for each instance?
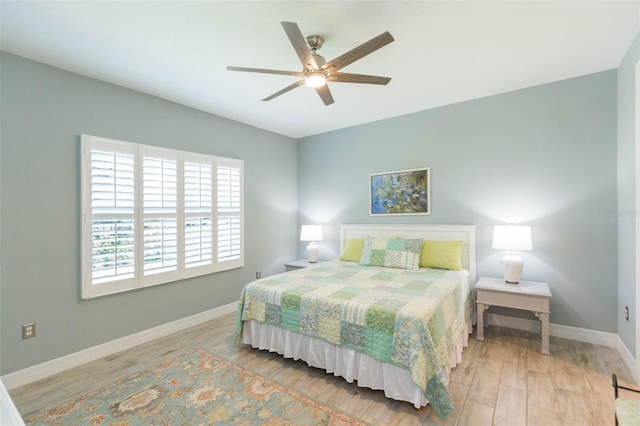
(504, 380)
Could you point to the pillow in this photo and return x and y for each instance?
(391, 253)
(441, 255)
(352, 251)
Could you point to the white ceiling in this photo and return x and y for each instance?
(444, 51)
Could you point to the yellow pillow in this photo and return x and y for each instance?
(441, 255)
(352, 251)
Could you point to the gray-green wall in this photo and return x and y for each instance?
(627, 203)
(543, 156)
(43, 112)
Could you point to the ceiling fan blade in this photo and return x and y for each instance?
(325, 94)
(300, 45)
(285, 90)
(265, 71)
(341, 77)
(359, 52)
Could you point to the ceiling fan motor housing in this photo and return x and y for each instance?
(315, 41)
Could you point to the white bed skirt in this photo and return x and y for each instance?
(369, 372)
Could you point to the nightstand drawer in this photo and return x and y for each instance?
(512, 300)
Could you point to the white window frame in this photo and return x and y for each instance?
(94, 288)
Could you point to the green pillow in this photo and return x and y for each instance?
(352, 251)
(441, 255)
(391, 252)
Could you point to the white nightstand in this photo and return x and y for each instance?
(299, 264)
(529, 295)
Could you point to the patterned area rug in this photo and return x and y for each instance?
(193, 388)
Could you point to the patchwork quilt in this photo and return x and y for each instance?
(408, 318)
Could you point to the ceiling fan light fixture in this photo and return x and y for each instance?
(315, 79)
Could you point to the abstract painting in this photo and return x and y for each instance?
(401, 192)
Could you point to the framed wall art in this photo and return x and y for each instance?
(401, 192)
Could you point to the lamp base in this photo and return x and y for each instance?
(512, 268)
(312, 252)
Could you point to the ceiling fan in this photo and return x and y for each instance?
(315, 71)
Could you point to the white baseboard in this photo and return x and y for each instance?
(595, 337)
(601, 338)
(513, 322)
(627, 358)
(54, 366)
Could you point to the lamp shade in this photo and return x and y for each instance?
(512, 238)
(311, 233)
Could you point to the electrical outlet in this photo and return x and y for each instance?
(626, 313)
(258, 274)
(29, 330)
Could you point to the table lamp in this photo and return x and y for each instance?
(311, 233)
(513, 239)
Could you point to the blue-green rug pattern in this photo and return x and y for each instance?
(193, 388)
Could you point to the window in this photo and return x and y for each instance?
(153, 215)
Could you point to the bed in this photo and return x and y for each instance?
(377, 316)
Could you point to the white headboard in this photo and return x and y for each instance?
(466, 233)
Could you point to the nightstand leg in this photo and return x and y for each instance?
(544, 318)
(480, 308)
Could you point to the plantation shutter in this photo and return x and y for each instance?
(160, 215)
(198, 210)
(229, 197)
(109, 215)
